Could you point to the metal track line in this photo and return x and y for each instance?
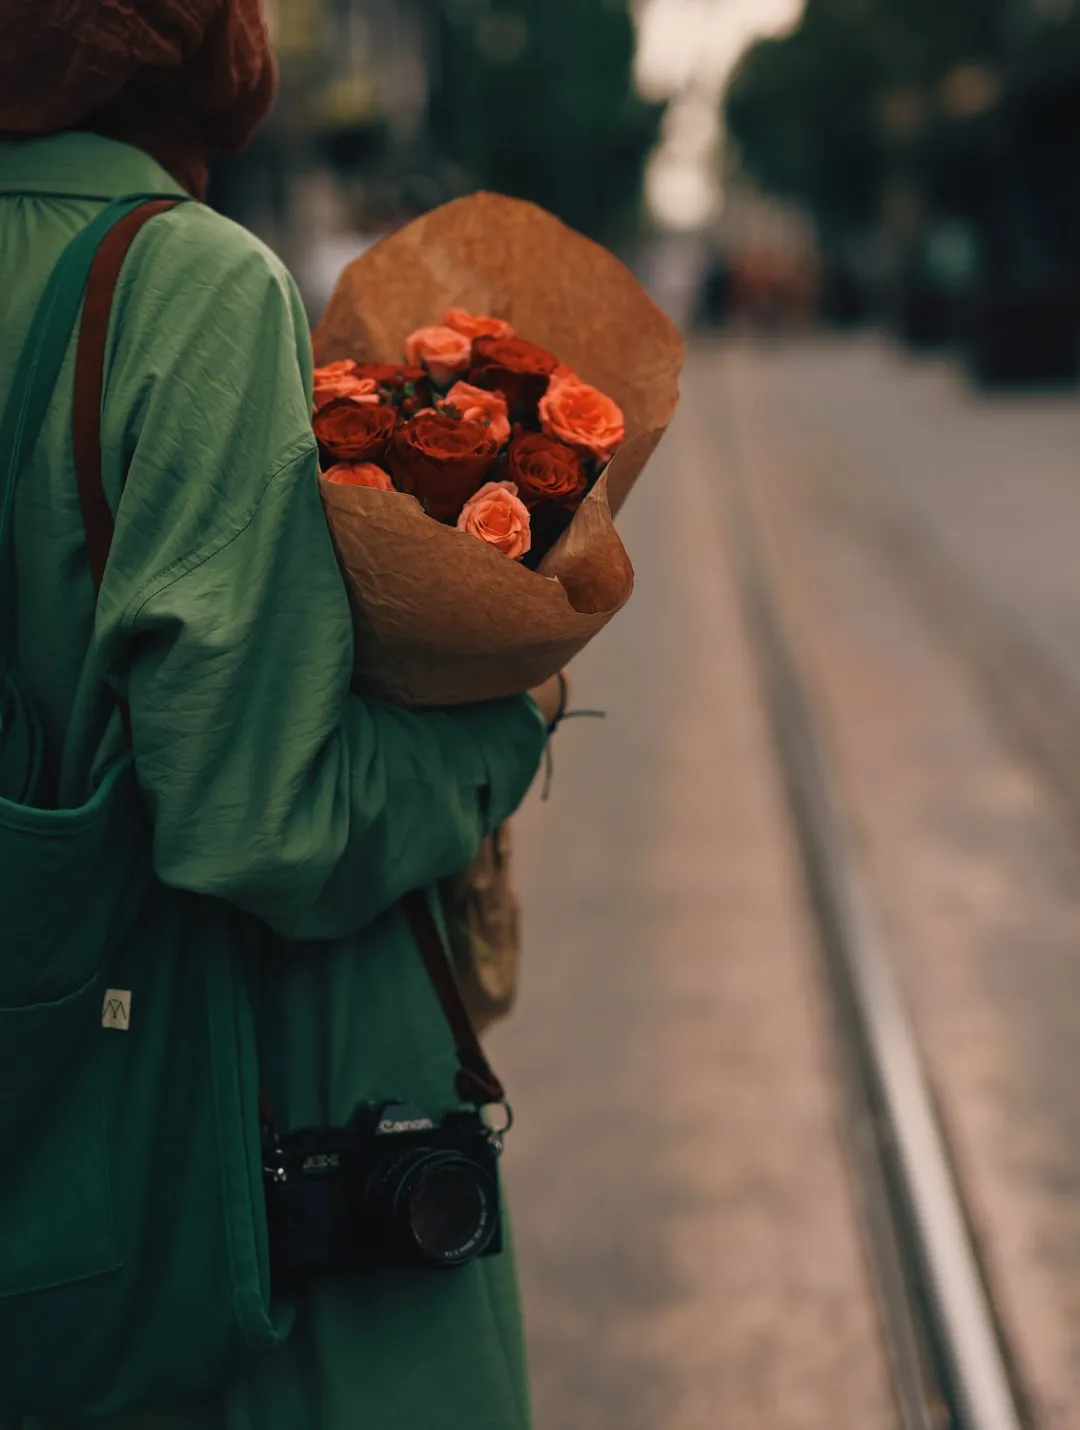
(950, 1290)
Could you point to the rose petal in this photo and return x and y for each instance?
(360, 474)
(474, 325)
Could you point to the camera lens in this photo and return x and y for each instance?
(451, 1212)
(444, 1205)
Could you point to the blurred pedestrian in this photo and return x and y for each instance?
(287, 816)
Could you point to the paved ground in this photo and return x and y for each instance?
(976, 869)
(996, 480)
(684, 1213)
(685, 1220)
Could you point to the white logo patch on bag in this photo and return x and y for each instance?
(116, 1010)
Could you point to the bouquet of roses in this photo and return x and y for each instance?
(487, 430)
(490, 385)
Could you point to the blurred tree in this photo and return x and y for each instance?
(1042, 103)
(803, 111)
(916, 116)
(818, 114)
(537, 100)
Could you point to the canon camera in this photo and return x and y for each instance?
(391, 1188)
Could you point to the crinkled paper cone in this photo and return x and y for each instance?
(442, 619)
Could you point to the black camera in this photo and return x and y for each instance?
(391, 1188)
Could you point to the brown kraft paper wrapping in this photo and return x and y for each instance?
(440, 617)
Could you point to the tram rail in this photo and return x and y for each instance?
(951, 1366)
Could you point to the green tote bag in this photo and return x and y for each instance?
(133, 1244)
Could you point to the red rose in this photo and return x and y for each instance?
(515, 367)
(354, 431)
(545, 470)
(441, 461)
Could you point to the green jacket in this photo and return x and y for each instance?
(288, 815)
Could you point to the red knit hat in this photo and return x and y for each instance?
(182, 79)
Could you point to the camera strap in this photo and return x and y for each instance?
(476, 1081)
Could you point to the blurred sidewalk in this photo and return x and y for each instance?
(685, 1218)
(689, 1253)
(910, 521)
(994, 480)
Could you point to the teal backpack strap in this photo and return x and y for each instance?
(35, 378)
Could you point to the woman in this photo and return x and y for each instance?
(224, 626)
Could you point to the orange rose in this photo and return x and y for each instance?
(341, 379)
(356, 389)
(474, 326)
(474, 404)
(544, 470)
(442, 351)
(496, 516)
(441, 461)
(583, 417)
(344, 367)
(350, 431)
(515, 367)
(360, 474)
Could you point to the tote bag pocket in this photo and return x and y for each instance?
(71, 882)
(132, 1228)
(56, 1218)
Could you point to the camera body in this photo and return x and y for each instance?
(391, 1188)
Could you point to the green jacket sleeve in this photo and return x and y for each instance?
(224, 621)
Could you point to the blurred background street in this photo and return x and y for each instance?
(689, 1234)
(864, 215)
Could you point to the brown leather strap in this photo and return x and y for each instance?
(476, 1081)
(90, 380)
